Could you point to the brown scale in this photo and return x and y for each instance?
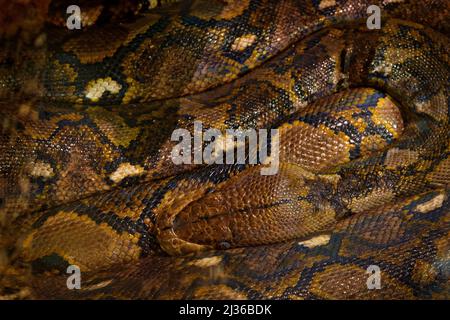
(155, 123)
(204, 65)
(223, 218)
(334, 214)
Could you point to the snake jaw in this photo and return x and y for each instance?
(283, 207)
(173, 245)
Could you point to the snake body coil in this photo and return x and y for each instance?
(362, 118)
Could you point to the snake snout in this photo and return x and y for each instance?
(251, 210)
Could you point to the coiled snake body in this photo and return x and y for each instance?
(363, 124)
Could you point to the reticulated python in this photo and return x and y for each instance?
(363, 119)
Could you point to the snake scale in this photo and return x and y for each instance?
(362, 117)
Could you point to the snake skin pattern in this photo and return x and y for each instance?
(87, 178)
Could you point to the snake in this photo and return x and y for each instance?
(362, 141)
